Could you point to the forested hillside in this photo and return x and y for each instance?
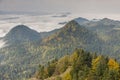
(108, 31)
(20, 34)
(25, 48)
(21, 58)
(80, 65)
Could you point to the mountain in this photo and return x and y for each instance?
(108, 31)
(22, 60)
(71, 36)
(69, 31)
(18, 62)
(81, 20)
(20, 34)
(104, 23)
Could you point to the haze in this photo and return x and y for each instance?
(92, 8)
(89, 9)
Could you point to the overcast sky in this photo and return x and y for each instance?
(94, 7)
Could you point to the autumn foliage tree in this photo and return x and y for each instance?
(81, 65)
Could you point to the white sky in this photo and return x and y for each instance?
(75, 6)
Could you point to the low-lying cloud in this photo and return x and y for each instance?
(39, 23)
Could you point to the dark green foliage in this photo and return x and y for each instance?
(81, 65)
(111, 75)
(81, 68)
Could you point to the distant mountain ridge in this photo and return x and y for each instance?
(71, 29)
(39, 48)
(21, 33)
(81, 20)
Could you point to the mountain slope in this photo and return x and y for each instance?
(71, 36)
(72, 30)
(108, 31)
(20, 34)
(47, 34)
(20, 61)
(81, 20)
(80, 65)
